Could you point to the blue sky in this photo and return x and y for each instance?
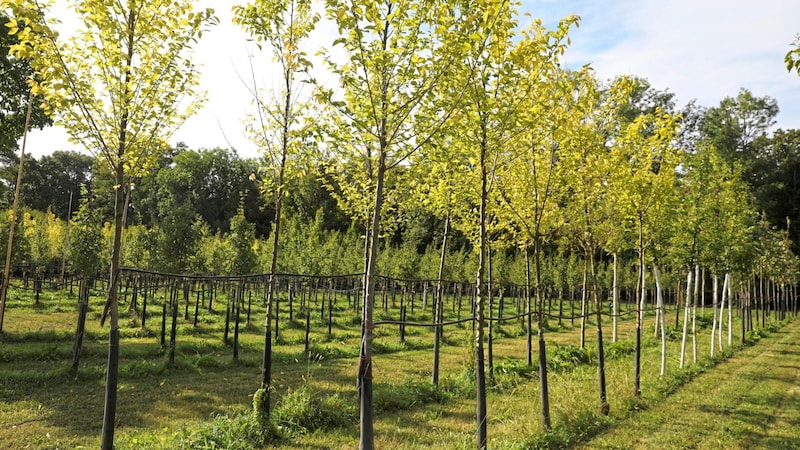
(697, 49)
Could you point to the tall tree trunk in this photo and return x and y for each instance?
(480, 374)
(439, 314)
(714, 284)
(528, 318)
(694, 312)
(15, 206)
(614, 302)
(490, 337)
(686, 316)
(601, 359)
(724, 296)
(367, 437)
(637, 390)
(120, 207)
(730, 308)
(543, 386)
(584, 301)
(661, 319)
(266, 357)
(83, 306)
(112, 306)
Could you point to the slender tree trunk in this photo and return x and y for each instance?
(439, 314)
(266, 357)
(543, 386)
(637, 391)
(601, 359)
(584, 301)
(715, 282)
(703, 291)
(173, 331)
(83, 306)
(528, 318)
(661, 319)
(490, 337)
(730, 308)
(614, 302)
(367, 439)
(694, 312)
(724, 295)
(480, 304)
(15, 206)
(686, 316)
(112, 305)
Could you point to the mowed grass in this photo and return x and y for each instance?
(44, 406)
(752, 401)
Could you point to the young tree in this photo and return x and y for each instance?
(178, 231)
(242, 238)
(85, 245)
(392, 56)
(644, 175)
(278, 126)
(117, 87)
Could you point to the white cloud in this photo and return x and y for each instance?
(704, 49)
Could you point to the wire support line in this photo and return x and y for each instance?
(498, 319)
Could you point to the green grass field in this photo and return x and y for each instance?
(204, 401)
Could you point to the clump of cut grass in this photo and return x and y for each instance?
(564, 358)
(582, 427)
(511, 373)
(619, 349)
(400, 397)
(232, 432)
(306, 410)
(461, 384)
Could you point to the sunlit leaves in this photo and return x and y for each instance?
(792, 58)
(124, 82)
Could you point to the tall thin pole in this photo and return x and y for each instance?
(7, 269)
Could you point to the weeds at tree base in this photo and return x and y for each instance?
(579, 429)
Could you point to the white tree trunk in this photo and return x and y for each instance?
(722, 311)
(661, 322)
(715, 282)
(584, 306)
(686, 317)
(730, 314)
(694, 312)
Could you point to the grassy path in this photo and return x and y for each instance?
(750, 401)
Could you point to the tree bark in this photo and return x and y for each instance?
(686, 316)
(367, 436)
(661, 324)
(614, 302)
(543, 385)
(439, 313)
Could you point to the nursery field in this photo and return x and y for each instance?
(750, 401)
(746, 397)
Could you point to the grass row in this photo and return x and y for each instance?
(204, 400)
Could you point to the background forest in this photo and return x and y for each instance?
(204, 211)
